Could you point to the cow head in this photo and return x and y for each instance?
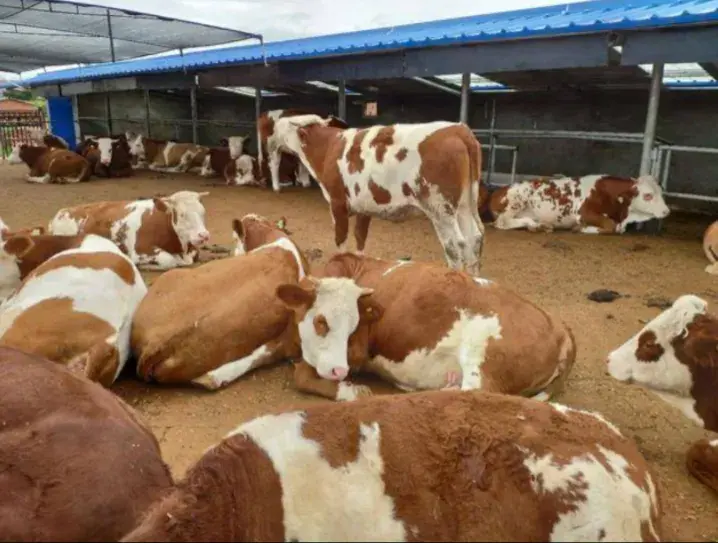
(236, 145)
(245, 171)
(660, 356)
(16, 154)
(12, 249)
(327, 312)
(137, 146)
(254, 231)
(106, 146)
(188, 215)
(648, 203)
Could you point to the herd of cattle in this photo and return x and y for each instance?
(475, 440)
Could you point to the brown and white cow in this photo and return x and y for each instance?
(6, 231)
(219, 158)
(75, 308)
(177, 340)
(432, 328)
(109, 156)
(675, 356)
(395, 172)
(593, 204)
(78, 464)
(157, 234)
(17, 261)
(710, 248)
(431, 466)
(51, 165)
(167, 156)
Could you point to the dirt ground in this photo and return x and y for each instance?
(556, 271)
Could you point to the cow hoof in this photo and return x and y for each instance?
(453, 381)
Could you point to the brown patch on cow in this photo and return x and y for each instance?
(157, 231)
(702, 463)
(383, 139)
(401, 154)
(356, 189)
(59, 164)
(96, 261)
(355, 162)
(321, 326)
(498, 201)
(44, 247)
(406, 190)
(698, 351)
(380, 194)
(608, 200)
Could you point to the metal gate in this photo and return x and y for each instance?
(20, 127)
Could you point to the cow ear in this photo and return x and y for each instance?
(282, 224)
(237, 227)
(296, 297)
(369, 310)
(162, 204)
(18, 246)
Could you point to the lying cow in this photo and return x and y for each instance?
(18, 259)
(395, 172)
(675, 356)
(63, 440)
(593, 204)
(220, 160)
(177, 340)
(432, 328)
(710, 248)
(432, 466)
(167, 156)
(157, 234)
(6, 231)
(109, 156)
(75, 308)
(51, 165)
(54, 141)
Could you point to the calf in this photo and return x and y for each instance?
(216, 162)
(434, 328)
(18, 258)
(167, 156)
(593, 204)
(62, 440)
(75, 308)
(247, 172)
(50, 165)
(710, 248)
(432, 466)
(395, 172)
(246, 325)
(157, 234)
(675, 356)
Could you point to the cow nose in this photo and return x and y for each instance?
(204, 236)
(339, 373)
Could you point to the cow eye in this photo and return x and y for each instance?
(648, 197)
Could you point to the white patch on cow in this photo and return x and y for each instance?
(321, 502)
(713, 443)
(649, 204)
(482, 282)
(231, 371)
(137, 147)
(3, 227)
(287, 245)
(604, 500)
(14, 157)
(349, 392)
(399, 264)
(565, 410)
(461, 350)
(41, 179)
(105, 147)
(687, 406)
(166, 152)
(236, 146)
(336, 299)
(9, 272)
(65, 225)
(101, 293)
(245, 171)
(207, 170)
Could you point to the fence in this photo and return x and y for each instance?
(20, 127)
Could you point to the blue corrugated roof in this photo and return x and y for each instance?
(565, 18)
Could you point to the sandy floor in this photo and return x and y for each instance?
(556, 271)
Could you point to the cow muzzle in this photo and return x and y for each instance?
(202, 238)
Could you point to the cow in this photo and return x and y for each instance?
(56, 142)
(395, 172)
(593, 204)
(247, 172)
(216, 162)
(167, 156)
(431, 466)
(247, 326)
(51, 165)
(156, 233)
(75, 308)
(78, 463)
(109, 156)
(432, 328)
(17, 260)
(675, 356)
(6, 231)
(710, 248)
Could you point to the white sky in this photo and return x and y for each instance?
(286, 19)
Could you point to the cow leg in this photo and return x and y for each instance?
(185, 163)
(231, 371)
(361, 231)
(451, 239)
(43, 179)
(303, 176)
(307, 380)
(712, 268)
(595, 223)
(162, 260)
(340, 219)
(274, 159)
(509, 222)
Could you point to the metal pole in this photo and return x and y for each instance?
(492, 141)
(108, 114)
(342, 95)
(465, 89)
(257, 113)
(76, 118)
(147, 113)
(649, 134)
(514, 160)
(193, 100)
(109, 33)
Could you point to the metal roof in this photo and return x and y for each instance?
(35, 34)
(562, 19)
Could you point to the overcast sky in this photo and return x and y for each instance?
(285, 19)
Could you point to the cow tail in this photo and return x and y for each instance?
(474, 149)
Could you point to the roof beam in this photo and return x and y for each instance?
(710, 68)
(437, 85)
(671, 46)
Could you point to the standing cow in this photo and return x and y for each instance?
(395, 172)
(593, 204)
(157, 233)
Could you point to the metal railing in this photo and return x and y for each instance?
(662, 164)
